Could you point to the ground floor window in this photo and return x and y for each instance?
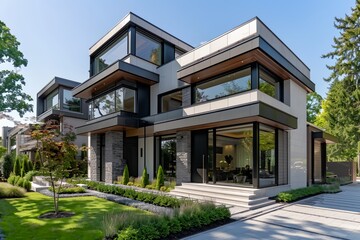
(166, 156)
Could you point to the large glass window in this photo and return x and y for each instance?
(148, 48)
(52, 101)
(267, 161)
(71, 103)
(116, 51)
(171, 101)
(268, 84)
(166, 155)
(223, 86)
(122, 99)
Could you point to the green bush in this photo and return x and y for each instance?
(144, 178)
(191, 215)
(24, 165)
(29, 175)
(125, 175)
(11, 192)
(7, 167)
(17, 166)
(17, 178)
(20, 182)
(160, 178)
(26, 184)
(68, 190)
(297, 194)
(11, 179)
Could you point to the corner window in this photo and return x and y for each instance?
(171, 101)
(122, 99)
(268, 84)
(229, 84)
(52, 101)
(71, 103)
(267, 159)
(148, 48)
(116, 51)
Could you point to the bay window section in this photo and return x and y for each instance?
(171, 101)
(115, 52)
(122, 99)
(52, 101)
(71, 103)
(229, 84)
(148, 48)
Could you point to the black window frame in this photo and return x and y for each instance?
(152, 37)
(167, 93)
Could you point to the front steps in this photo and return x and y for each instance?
(246, 198)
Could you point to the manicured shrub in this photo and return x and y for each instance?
(25, 165)
(17, 178)
(26, 184)
(20, 182)
(297, 194)
(68, 190)
(125, 175)
(11, 179)
(160, 178)
(7, 165)
(29, 175)
(144, 178)
(17, 166)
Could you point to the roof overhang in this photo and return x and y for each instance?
(112, 123)
(257, 111)
(320, 135)
(115, 72)
(54, 84)
(56, 114)
(253, 49)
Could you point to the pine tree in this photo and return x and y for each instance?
(341, 112)
(17, 167)
(125, 178)
(144, 178)
(160, 178)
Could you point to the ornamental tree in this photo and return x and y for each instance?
(56, 153)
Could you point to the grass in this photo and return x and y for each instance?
(19, 217)
(9, 191)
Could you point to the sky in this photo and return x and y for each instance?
(55, 36)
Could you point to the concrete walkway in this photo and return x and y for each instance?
(326, 216)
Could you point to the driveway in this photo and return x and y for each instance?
(326, 216)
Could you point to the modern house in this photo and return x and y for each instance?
(55, 102)
(229, 113)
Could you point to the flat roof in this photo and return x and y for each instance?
(133, 18)
(55, 83)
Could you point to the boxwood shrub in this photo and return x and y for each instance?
(156, 199)
(297, 194)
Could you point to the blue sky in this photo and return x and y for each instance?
(55, 36)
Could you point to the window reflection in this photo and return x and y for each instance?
(148, 49)
(166, 155)
(69, 102)
(223, 86)
(52, 101)
(116, 51)
(268, 85)
(267, 156)
(171, 101)
(122, 99)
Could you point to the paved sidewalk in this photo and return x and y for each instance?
(326, 216)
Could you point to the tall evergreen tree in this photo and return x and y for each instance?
(341, 112)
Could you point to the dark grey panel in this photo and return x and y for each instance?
(168, 53)
(117, 66)
(327, 137)
(276, 115)
(55, 83)
(114, 121)
(57, 113)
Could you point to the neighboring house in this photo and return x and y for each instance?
(55, 102)
(229, 112)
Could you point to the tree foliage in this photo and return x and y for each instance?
(7, 166)
(313, 106)
(55, 152)
(341, 109)
(11, 82)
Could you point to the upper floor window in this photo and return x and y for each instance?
(148, 48)
(71, 103)
(122, 99)
(223, 86)
(52, 101)
(268, 84)
(116, 51)
(171, 101)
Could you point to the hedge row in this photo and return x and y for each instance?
(297, 194)
(19, 182)
(159, 200)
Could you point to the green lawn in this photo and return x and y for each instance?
(19, 217)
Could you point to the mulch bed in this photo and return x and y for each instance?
(52, 215)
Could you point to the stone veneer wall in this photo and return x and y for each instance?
(94, 157)
(114, 152)
(183, 157)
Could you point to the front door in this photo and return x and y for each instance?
(199, 156)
